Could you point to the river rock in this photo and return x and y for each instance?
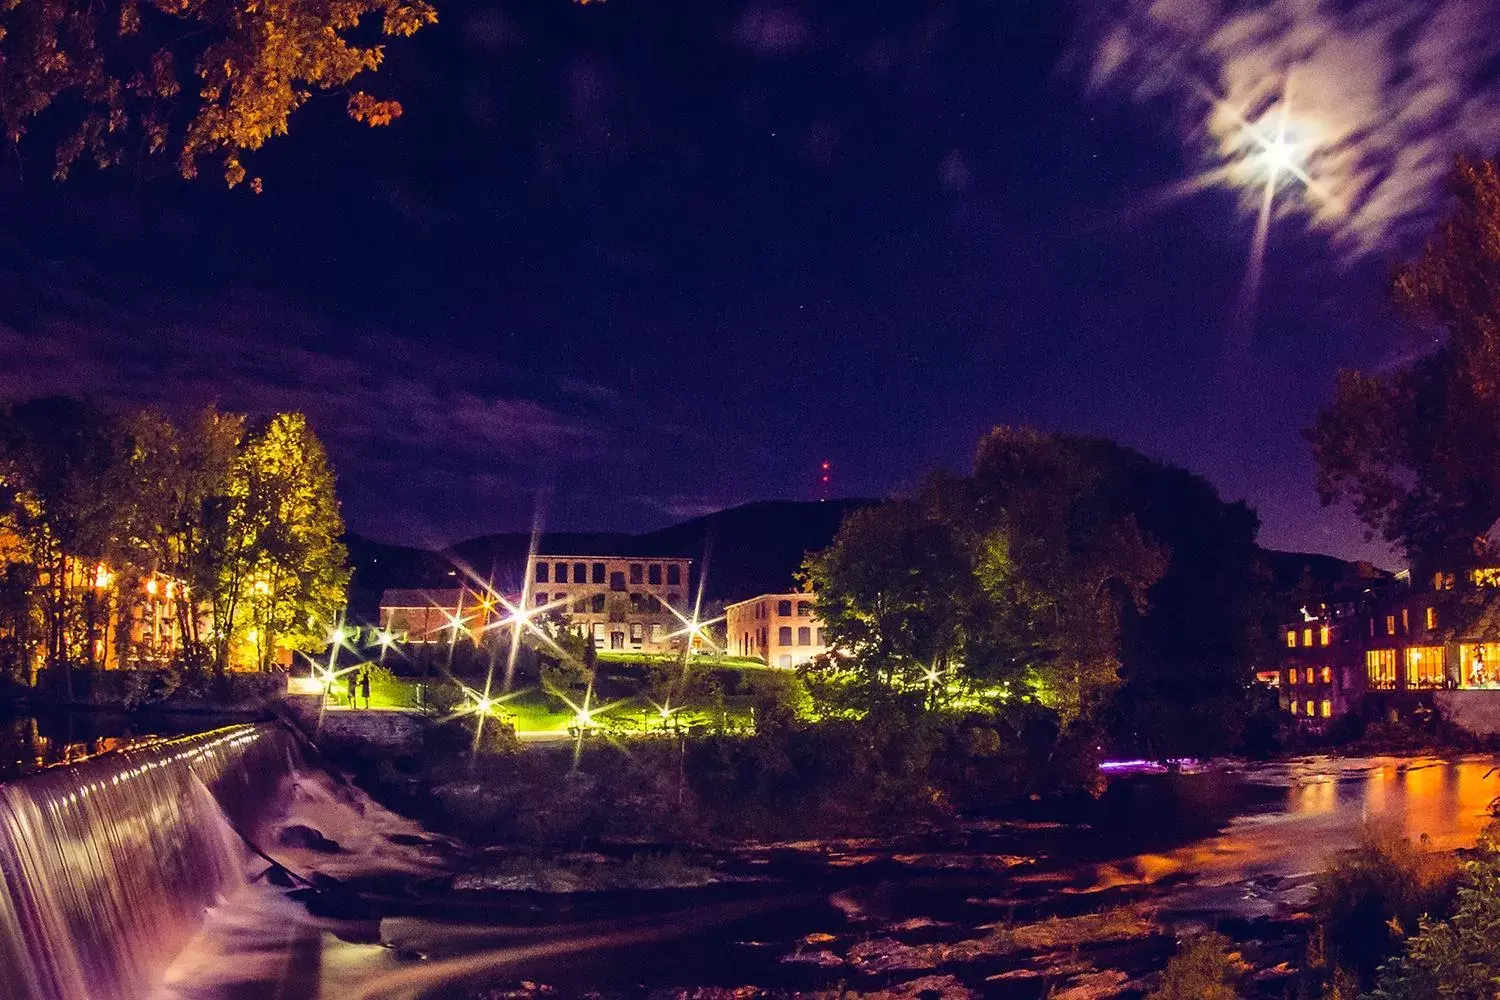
(306, 838)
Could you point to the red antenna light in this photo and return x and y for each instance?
(823, 482)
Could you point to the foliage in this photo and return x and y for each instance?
(231, 535)
(1371, 897)
(1205, 968)
(1457, 958)
(184, 81)
(1417, 450)
(1060, 567)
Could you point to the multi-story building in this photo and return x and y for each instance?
(626, 603)
(781, 629)
(620, 602)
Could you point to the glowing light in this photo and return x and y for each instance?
(252, 636)
(151, 587)
(262, 587)
(103, 577)
(384, 638)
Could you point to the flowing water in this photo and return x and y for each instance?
(133, 875)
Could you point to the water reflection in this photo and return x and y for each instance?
(29, 743)
(1267, 858)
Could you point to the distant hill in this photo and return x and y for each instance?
(748, 550)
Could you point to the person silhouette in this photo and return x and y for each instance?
(364, 686)
(350, 681)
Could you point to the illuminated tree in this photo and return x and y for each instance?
(1417, 450)
(283, 572)
(184, 81)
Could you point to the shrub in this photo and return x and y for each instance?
(1205, 968)
(1376, 894)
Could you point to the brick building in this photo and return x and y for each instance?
(781, 629)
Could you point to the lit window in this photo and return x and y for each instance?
(1307, 637)
(1309, 675)
(1291, 676)
(1431, 619)
(1380, 667)
(1325, 635)
(1390, 624)
(1325, 708)
(1327, 675)
(1309, 710)
(1405, 620)
(1425, 667)
(1291, 638)
(1293, 706)
(637, 632)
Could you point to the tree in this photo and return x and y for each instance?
(1417, 450)
(283, 570)
(188, 80)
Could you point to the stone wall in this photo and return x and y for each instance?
(1477, 712)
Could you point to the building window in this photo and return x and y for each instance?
(1293, 706)
(637, 632)
(541, 572)
(1390, 624)
(580, 605)
(1309, 675)
(1380, 668)
(1291, 638)
(744, 643)
(541, 598)
(1307, 637)
(653, 631)
(674, 575)
(784, 635)
(596, 573)
(784, 661)
(1424, 667)
(637, 574)
(617, 580)
(1478, 664)
(1325, 708)
(784, 608)
(1327, 675)
(637, 602)
(617, 640)
(580, 572)
(1291, 676)
(653, 604)
(675, 600)
(653, 574)
(804, 609)
(1431, 619)
(804, 636)
(1405, 621)
(1325, 635)
(560, 573)
(822, 637)
(596, 603)
(1309, 706)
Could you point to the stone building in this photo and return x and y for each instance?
(783, 630)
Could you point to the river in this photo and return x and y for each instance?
(1004, 907)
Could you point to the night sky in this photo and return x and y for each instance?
(634, 261)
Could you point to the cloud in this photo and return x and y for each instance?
(1383, 93)
(422, 437)
(772, 29)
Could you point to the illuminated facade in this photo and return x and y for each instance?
(783, 630)
(620, 602)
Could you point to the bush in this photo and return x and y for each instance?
(1204, 968)
(1376, 894)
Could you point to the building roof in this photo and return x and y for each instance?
(583, 557)
(794, 595)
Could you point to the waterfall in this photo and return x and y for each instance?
(109, 865)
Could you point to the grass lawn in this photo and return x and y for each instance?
(699, 660)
